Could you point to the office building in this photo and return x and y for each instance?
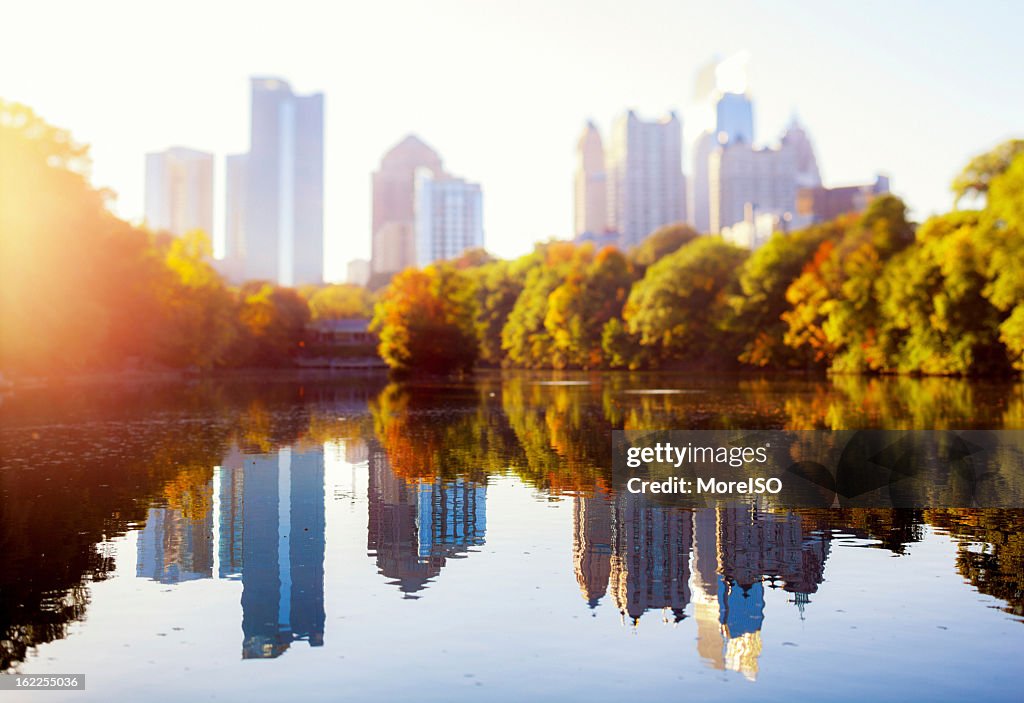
(358, 272)
(394, 204)
(700, 205)
(449, 217)
(646, 187)
(734, 119)
(283, 184)
(179, 191)
(820, 204)
(746, 182)
(233, 263)
(591, 201)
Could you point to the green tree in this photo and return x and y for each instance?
(1003, 247)
(676, 309)
(498, 285)
(933, 316)
(525, 339)
(661, 242)
(340, 302)
(578, 309)
(977, 175)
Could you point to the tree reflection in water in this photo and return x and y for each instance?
(81, 466)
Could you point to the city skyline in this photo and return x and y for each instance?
(919, 123)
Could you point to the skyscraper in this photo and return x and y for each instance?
(179, 191)
(646, 187)
(394, 210)
(700, 207)
(591, 184)
(734, 119)
(449, 217)
(746, 182)
(284, 191)
(234, 216)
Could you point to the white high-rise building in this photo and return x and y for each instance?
(179, 191)
(700, 202)
(745, 182)
(358, 272)
(393, 238)
(591, 184)
(646, 187)
(449, 217)
(284, 187)
(234, 216)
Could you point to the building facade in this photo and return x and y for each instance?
(746, 182)
(393, 240)
(283, 185)
(357, 272)
(734, 119)
(591, 189)
(820, 204)
(646, 186)
(449, 217)
(233, 264)
(179, 191)
(700, 207)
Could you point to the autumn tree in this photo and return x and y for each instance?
(525, 339)
(425, 319)
(756, 310)
(578, 309)
(340, 302)
(833, 311)
(272, 322)
(198, 325)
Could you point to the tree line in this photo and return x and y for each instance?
(81, 289)
(865, 293)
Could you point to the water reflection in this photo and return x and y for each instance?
(415, 525)
(281, 519)
(718, 559)
(229, 482)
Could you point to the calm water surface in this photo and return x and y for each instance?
(324, 539)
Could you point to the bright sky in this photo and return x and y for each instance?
(502, 89)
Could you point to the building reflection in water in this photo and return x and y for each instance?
(270, 536)
(719, 559)
(414, 526)
(174, 547)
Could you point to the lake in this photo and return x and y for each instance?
(277, 537)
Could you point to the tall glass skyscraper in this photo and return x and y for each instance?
(734, 119)
(284, 186)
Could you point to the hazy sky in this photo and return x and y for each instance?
(502, 89)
